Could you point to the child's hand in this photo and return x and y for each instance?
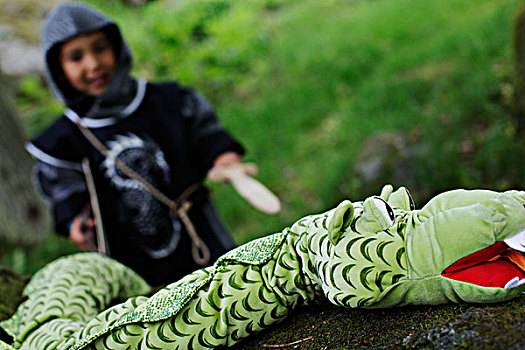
(226, 159)
(82, 232)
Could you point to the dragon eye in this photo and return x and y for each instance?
(412, 205)
(385, 209)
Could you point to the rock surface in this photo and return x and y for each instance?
(11, 286)
(20, 24)
(325, 326)
(18, 58)
(461, 326)
(391, 157)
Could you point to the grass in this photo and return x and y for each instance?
(304, 83)
(365, 67)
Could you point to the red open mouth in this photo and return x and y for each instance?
(499, 265)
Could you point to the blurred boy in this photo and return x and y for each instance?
(167, 134)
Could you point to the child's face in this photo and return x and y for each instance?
(88, 62)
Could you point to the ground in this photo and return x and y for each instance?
(458, 326)
(11, 286)
(325, 326)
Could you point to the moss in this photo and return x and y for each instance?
(11, 286)
(455, 326)
(495, 326)
(325, 326)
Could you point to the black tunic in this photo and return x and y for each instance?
(171, 137)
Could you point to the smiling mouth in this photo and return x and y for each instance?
(98, 82)
(499, 265)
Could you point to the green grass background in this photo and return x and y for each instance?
(302, 83)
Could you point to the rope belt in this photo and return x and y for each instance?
(178, 208)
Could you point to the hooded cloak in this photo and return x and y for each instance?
(168, 134)
(70, 20)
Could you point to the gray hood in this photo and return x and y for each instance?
(72, 19)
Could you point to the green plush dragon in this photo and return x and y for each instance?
(377, 253)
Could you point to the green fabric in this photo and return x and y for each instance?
(361, 254)
(4, 346)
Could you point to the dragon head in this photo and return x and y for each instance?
(461, 246)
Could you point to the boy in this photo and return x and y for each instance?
(168, 135)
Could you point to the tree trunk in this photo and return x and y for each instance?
(519, 56)
(23, 216)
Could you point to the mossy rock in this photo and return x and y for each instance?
(325, 326)
(454, 326)
(11, 286)
(390, 157)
